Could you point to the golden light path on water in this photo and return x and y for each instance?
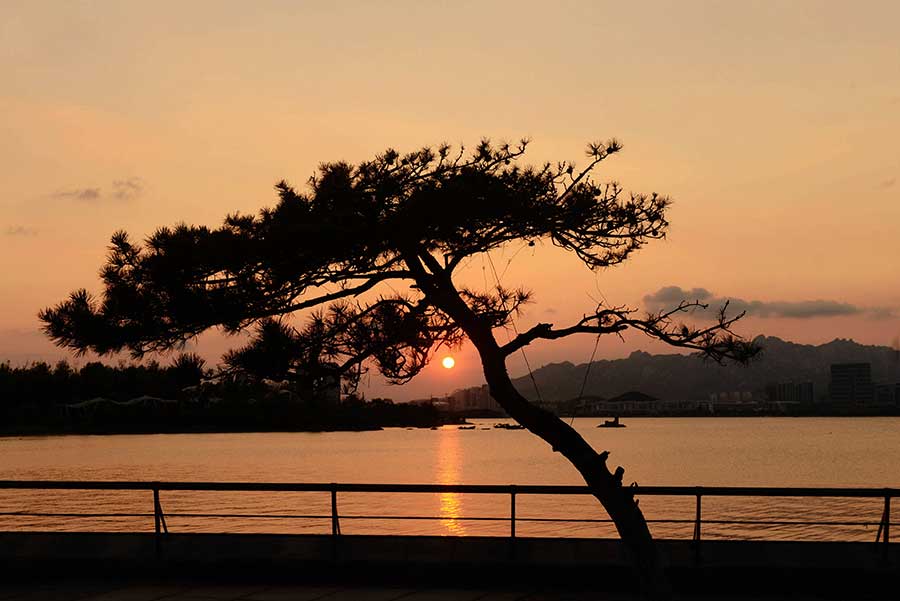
(449, 472)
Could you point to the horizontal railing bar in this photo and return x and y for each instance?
(388, 518)
(777, 523)
(168, 515)
(529, 489)
(455, 518)
(74, 515)
(692, 521)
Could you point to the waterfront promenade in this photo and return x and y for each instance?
(57, 564)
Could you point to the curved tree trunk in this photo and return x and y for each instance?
(606, 487)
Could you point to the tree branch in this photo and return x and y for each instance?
(716, 342)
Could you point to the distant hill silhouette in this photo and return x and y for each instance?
(684, 377)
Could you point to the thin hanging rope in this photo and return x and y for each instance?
(513, 323)
(533, 381)
(584, 382)
(510, 260)
(484, 273)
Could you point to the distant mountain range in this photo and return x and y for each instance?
(684, 377)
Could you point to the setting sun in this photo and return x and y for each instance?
(448, 362)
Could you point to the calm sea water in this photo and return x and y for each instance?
(818, 452)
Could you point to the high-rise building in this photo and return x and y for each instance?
(791, 392)
(473, 399)
(852, 383)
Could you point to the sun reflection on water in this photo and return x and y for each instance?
(448, 472)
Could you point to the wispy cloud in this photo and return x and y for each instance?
(669, 297)
(20, 230)
(127, 189)
(120, 190)
(888, 183)
(82, 194)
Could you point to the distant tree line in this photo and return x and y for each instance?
(41, 385)
(183, 396)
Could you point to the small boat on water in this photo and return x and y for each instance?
(611, 423)
(505, 426)
(466, 428)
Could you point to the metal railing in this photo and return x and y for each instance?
(882, 538)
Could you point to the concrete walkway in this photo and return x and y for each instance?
(143, 591)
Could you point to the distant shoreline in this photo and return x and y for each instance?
(163, 417)
(805, 412)
(453, 424)
(37, 432)
(124, 432)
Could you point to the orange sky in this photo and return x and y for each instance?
(773, 127)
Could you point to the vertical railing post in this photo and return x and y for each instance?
(335, 519)
(512, 521)
(156, 510)
(335, 524)
(697, 521)
(512, 512)
(887, 523)
(157, 522)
